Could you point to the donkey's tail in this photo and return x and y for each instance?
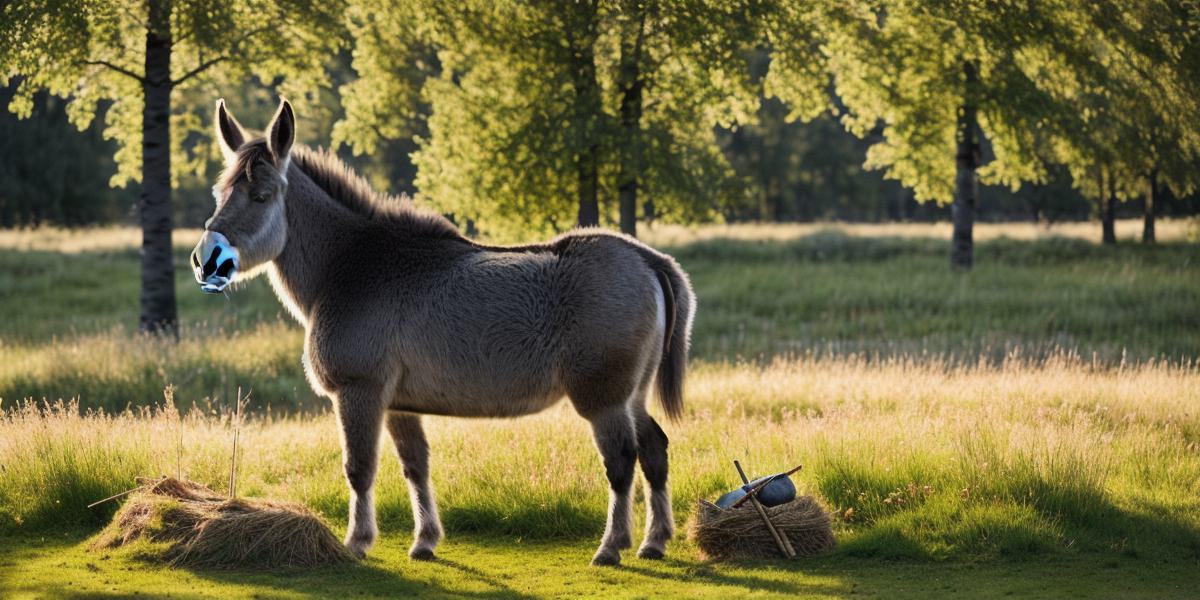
(680, 307)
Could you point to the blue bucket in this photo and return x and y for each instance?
(779, 491)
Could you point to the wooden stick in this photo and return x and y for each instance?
(784, 545)
(237, 430)
(759, 486)
(114, 496)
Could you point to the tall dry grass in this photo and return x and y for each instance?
(917, 459)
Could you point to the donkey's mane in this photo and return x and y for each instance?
(347, 188)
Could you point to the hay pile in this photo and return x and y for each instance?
(739, 533)
(188, 524)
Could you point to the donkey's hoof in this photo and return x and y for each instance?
(358, 546)
(650, 553)
(422, 553)
(606, 557)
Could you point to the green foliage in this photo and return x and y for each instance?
(901, 65)
(52, 173)
(92, 53)
(523, 93)
(1133, 99)
(1094, 85)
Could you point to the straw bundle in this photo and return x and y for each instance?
(188, 524)
(739, 533)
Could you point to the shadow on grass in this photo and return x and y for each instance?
(1096, 525)
(372, 577)
(710, 574)
(68, 551)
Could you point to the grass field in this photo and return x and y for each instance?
(1029, 429)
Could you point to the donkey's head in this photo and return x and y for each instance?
(248, 228)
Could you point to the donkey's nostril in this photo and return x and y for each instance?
(211, 264)
(226, 268)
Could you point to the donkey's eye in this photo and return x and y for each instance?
(260, 197)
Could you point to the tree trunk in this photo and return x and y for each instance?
(631, 115)
(158, 314)
(587, 111)
(1108, 212)
(1149, 211)
(966, 181)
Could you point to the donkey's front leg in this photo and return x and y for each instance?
(360, 413)
(414, 457)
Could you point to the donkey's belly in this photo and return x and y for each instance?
(475, 399)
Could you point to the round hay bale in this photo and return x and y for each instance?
(188, 524)
(740, 533)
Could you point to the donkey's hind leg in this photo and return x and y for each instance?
(410, 441)
(617, 442)
(652, 454)
(360, 414)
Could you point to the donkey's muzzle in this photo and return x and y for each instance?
(215, 262)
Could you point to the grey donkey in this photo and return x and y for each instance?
(404, 317)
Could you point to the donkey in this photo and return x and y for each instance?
(404, 317)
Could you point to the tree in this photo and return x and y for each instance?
(135, 56)
(940, 82)
(1134, 113)
(542, 111)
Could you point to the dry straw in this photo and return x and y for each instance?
(740, 533)
(187, 524)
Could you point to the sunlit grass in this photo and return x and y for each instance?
(72, 241)
(115, 370)
(1045, 403)
(915, 459)
(1166, 230)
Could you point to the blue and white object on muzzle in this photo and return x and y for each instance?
(215, 263)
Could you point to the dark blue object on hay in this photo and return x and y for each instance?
(780, 491)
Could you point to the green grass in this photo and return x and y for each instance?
(831, 292)
(56, 566)
(1028, 429)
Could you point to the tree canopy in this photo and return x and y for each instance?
(93, 54)
(538, 109)
(520, 117)
(132, 57)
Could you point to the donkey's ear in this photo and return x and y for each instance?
(282, 132)
(230, 134)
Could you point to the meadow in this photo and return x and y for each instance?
(1030, 428)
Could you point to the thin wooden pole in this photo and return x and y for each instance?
(785, 546)
(114, 496)
(237, 429)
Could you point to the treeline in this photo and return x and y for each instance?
(519, 117)
(54, 174)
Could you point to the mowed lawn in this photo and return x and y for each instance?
(1029, 429)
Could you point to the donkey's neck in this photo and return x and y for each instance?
(317, 226)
